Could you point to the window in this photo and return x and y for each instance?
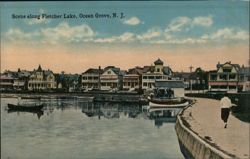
(227, 70)
(232, 76)
(109, 72)
(157, 70)
(145, 84)
(223, 76)
(145, 77)
(213, 77)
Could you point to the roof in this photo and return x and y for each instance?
(237, 66)
(158, 62)
(148, 68)
(93, 71)
(113, 68)
(167, 70)
(39, 68)
(3, 77)
(136, 70)
(169, 83)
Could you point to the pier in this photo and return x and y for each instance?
(201, 132)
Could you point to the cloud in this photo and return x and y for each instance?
(185, 23)
(178, 24)
(151, 33)
(62, 33)
(125, 37)
(227, 34)
(37, 19)
(133, 21)
(203, 21)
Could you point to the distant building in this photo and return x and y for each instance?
(21, 81)
(132, 79)
(156, 72)
(245, 75)
(6, 82)
(176, 85)
(91, 78)
(41, 80)
(111, 78)
(227, 77)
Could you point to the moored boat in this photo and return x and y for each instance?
(25, 107)
(165, 98)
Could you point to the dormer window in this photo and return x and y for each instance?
(109, 72)
(157, 70)
(227, 70)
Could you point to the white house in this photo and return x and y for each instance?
(111, 78)
(153, 73)
(41, 80)
(91, 78)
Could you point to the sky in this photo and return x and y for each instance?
(123, 34)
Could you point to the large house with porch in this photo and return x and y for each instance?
(132, 79)
(111, 78)
(227, 77)
(152, 73)
(41, 80)
(91, 79)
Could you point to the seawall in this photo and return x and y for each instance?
(192, 146)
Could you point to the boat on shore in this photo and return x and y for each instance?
(24, 107)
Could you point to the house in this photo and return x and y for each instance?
(91, 78)
(198, 79)
(6, 82)
(177, 86)
(21, 81)
(111, 78)
(41, 80)
(227, 77)
(132, 79)
(156, 72)
(245, 76)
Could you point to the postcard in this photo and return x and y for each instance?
(125, 79)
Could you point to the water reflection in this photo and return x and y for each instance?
(39, 113)
(86, 130)
(105, 110)
(115, 110)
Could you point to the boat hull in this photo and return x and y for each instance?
(25, 108)
(166, 105)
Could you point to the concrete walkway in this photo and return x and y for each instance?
(204, 119)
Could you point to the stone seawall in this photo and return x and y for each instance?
(194, 147)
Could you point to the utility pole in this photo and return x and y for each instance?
(190, 80)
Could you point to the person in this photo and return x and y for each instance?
(225, 104)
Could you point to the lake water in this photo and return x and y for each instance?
(74, 129)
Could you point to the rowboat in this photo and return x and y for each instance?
(25, 107)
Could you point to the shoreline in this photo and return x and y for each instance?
(201, 134)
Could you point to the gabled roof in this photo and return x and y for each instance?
(93, 71)
(113, 68)
(158, 62)
(236, 66)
